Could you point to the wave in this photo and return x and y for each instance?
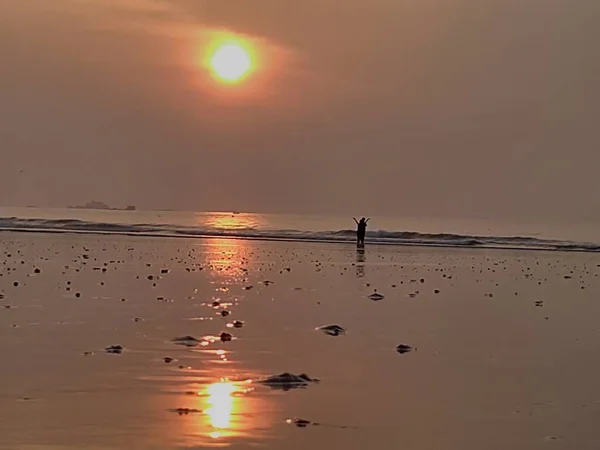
(377, 237)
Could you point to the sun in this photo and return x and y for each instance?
(231, 62)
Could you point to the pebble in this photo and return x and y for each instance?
(115, 349)
(403, 348)
(225, 337)
(376, 296)
(332, 330)
(300, 423)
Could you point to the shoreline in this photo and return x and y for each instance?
(307, 240)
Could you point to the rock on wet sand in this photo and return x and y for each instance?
(332, 330)
(403, 348)
(115, 349)
(288, 380)
(186, 411)
(300, 423)
(188, 341)
(225, 337)
(376, 296)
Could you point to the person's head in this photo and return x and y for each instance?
(363, 220)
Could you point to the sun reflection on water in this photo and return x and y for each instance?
(234, 221)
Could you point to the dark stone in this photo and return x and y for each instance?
(403, 348)
(115, 349)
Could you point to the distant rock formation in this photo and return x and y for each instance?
(100, 205)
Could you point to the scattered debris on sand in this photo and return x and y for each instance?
(331, 330)
(186, 411)
(301, 423)
(287, 381)
(225, 337)
(188, 341)
(114, 349)
(376, 296)
(403, 348)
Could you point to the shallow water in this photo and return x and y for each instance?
(490, 368)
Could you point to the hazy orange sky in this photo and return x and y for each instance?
(403, 107)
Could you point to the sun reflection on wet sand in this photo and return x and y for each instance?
(226, 259)
(221, 402)
(228, 412)
(230, 409)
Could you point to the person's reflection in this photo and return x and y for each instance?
(360, 262)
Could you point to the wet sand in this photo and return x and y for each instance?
(504, 355)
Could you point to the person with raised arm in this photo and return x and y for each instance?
(361, 230)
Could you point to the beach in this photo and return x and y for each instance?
(503, 345)
(309, 225)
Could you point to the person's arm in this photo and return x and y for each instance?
(354, 218)
(367, 221)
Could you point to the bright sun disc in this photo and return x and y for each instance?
(231, 62)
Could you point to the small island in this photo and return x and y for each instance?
(100, 205)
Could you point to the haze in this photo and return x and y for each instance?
(462, 108)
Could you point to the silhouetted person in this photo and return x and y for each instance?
(361, 230)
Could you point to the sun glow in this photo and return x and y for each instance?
(231, 61)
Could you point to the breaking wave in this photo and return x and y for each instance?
(377, 237)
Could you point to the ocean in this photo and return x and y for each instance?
(312, 228)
